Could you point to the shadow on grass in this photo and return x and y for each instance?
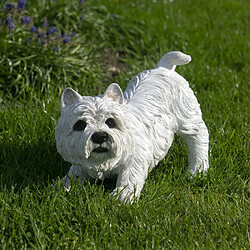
(35, 164)
(27, 164)
(30, 164)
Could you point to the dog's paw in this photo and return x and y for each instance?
(199, 172)
(124, 194)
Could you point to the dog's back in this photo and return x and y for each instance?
(165, 68)
(165, 104)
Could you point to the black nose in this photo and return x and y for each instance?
(99, 137)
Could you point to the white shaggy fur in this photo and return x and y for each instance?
(126, 135)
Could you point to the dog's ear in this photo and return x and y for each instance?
(115, 93)
(69, 96)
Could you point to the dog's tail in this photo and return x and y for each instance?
(172, 59)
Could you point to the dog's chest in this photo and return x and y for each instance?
(103, 171)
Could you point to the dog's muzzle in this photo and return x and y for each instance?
(101, 138)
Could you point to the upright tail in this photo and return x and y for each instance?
(172, 59)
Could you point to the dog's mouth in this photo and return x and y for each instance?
(100, 150)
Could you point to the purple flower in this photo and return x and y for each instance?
(45, 24)
(33, 29)
(9, 22)
(81, 1)
(51, 31)
(7, 7)
(26, 19)
(41, 35)
(21, 4)
(28, 39)
(66, 39)
(11, 26)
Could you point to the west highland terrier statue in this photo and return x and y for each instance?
(125, 135)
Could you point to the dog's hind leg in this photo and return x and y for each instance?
(197, 146)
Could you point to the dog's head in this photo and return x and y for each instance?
(91, 130)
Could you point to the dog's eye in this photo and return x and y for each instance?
(111, 123)
(79, 125)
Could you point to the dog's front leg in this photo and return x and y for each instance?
(74, 173)
(130, 183)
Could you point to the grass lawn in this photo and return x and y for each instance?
(48, 45)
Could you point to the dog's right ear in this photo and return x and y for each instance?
(69, 96)
(115, 93)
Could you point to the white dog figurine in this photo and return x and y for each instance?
(125, 135)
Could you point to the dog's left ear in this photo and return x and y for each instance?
(69, 96)
(115, 93)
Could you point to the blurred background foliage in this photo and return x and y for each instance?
(48, 45)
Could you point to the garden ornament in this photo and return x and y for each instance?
(125, 135)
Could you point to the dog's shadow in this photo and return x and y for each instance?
(108, 184)
(36, 164)
(23, 165)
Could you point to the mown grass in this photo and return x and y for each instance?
(114, 41)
